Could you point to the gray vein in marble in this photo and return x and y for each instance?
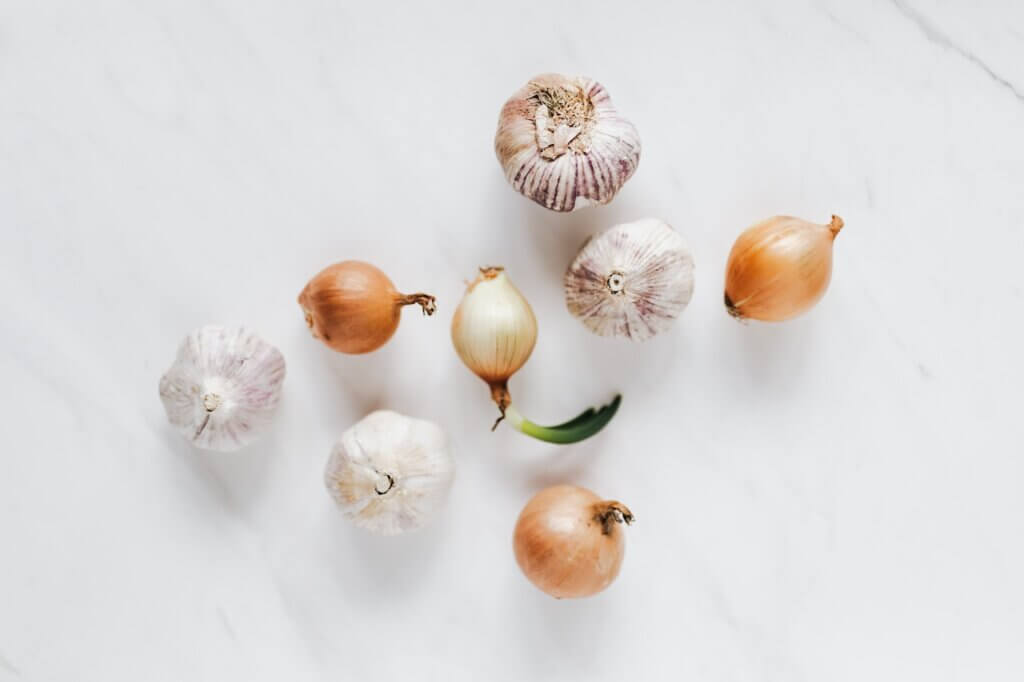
(8, 667)
(933, 34)
(861, 38)
(922, 369)
(188, 67)
(226, 623)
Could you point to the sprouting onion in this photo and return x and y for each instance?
(494, 332)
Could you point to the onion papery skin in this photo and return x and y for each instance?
(494, 332)
(563, 547)
(353, 307)
(779, 268)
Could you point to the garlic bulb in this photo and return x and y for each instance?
(779, 268)
(390, 473)
(223, 387)
(494, 332)
(632, 280)
(563, 144)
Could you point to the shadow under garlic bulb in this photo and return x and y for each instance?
(569, 542)
(354, 308)
(779, 268)
(563, 144)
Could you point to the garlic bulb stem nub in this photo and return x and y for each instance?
(211, 401)
(632, 280)
(223, 388)
(385, 482)
(390, 473)
(615, 282)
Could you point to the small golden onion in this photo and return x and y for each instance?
(354, 308)
(779, 268)
(568, 541)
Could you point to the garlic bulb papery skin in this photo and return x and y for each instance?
(494, 331)
(390, 473)
(632, 280)
(779, 268)
(223, 388)
(563, 144)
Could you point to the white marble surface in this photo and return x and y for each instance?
(838, 498)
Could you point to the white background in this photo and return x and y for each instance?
(835, 498)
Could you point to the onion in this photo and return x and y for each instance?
(354, 308)
(779, 268)
(568, 541)
(494, 331)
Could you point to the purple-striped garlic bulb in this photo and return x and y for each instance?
(223, 388)
(563, 144)
(632, 280)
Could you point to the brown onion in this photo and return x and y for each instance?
(568, 541)
(354, 308)
(779, 268)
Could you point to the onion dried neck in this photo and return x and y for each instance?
(611, 512)
(835, 225)
(501, 397)
(425, 301)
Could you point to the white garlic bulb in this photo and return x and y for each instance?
(632, 280)
(223, 387)
(389, 473)
(563, 144)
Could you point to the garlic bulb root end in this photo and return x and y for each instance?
(562, 144)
